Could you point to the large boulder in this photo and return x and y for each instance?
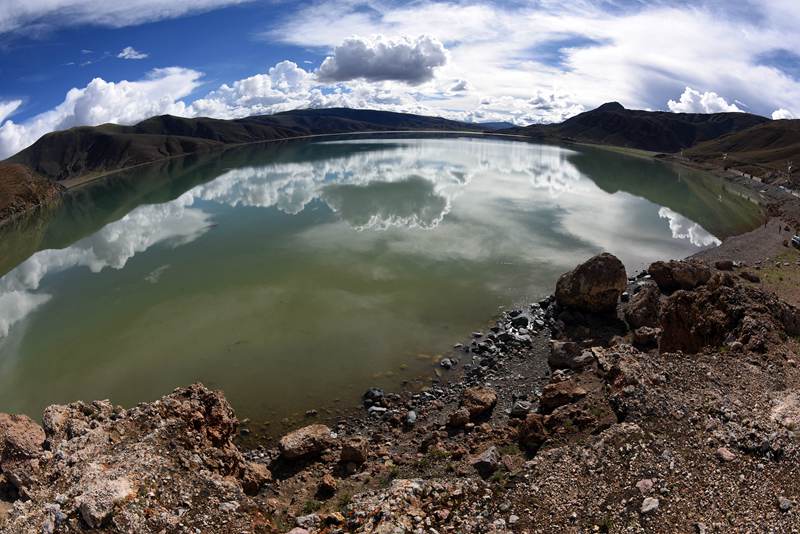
(478, 401)
(305, 442)
(21, 442)
(693, 320)
(594, 286)
(673, 275)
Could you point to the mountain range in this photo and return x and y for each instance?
(655, 131)
(86, 151)
(67, 158)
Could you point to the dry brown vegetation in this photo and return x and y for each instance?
(21, 190)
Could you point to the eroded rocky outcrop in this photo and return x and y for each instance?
(694, 309)
(147, 469)
(679, 274)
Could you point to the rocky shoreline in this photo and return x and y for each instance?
(667, 401)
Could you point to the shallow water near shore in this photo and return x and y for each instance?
(296, 275)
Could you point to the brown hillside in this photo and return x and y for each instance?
(656, 131)
(762, 150)
(21, 190)
(87, 151)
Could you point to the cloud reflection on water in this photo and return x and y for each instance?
(683, 228)
(292, 186)
(113, 246)
(407, 184)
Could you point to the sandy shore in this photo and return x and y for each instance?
(759, 245)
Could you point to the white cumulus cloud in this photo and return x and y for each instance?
(123, 102)
(693, 101)
(783, 113)
(588, 49)
(130, 52)
(403, 59)
(287, 86)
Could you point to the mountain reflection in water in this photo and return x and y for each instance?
(263, 268)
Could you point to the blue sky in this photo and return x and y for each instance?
(222, 43)
(532, 61)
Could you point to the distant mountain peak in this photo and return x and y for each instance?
(654, 131)
(611, 106)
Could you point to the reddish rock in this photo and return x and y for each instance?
(673, 275)
(22, 474)
(307, 441)
(355, 450)
(478, 401)
(532, 433)
(327, 486)
(691, 321)
(486, 462)
(725, 455)
(594, 286)
(721, 311)
(254, 476)
(558, 394)
(20, 437)
(459, 418)
(588, 418)
(645, 486)
(215, 416)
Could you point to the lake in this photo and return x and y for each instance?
(295, 275)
